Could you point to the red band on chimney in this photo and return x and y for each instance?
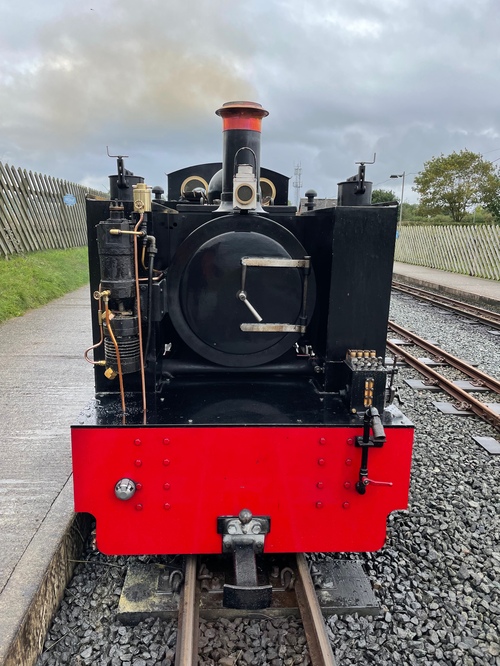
(241, 123)
(242, 116)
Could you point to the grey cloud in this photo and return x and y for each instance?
(405, 79)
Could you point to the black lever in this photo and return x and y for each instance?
(371, 421)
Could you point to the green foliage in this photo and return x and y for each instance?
(481, 216)
(492, 205)
(379, 196)
(477, 217)
(454, 184)
(30, 280)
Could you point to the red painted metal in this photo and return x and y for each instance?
(242, 116)
(303, 478)
(242, 123)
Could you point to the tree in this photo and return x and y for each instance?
(456, 183)
(379, 196)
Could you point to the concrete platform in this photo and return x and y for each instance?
(477, 290)
(44, 384)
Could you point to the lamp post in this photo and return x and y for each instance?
(400, 175)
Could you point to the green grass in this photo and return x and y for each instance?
(30, 280)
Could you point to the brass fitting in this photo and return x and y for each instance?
(117, 232)
(109, 373)
(142, 198)
(101, 294)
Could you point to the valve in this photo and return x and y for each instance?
(366, 481)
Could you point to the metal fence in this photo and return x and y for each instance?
(33, 214)
(468, 250)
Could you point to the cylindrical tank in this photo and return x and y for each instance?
(241, 129)
(122, 183)
(350, 194)
(116, 255)
(126, 332)
(116, 259)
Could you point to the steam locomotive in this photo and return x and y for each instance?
(239, 356)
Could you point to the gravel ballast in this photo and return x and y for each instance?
(437, 578)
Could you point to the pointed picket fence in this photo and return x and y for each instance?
(33, 215)
(469, 249)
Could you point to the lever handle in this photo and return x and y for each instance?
(243, 297)
(366, 481)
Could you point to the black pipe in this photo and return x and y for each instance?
(176, 367)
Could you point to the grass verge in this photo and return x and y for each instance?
(30, 280)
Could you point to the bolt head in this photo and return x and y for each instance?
(245, 516)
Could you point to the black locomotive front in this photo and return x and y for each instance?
(239, 362)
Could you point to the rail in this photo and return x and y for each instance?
(457, 363)
(476, 406)
(318, 643)
(482, 315)
(186, 653)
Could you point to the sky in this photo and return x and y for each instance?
(405, 79)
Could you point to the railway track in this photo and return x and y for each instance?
(478, 378)
(475, 312)
(318, 643)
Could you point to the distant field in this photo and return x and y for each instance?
(30, 280)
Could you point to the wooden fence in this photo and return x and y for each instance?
(33, 214)
(468, 250)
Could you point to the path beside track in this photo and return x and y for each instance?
(44, 383)
(486, 292)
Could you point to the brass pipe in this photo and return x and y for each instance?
(99, 317)
(118, 359)
(117, 232)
